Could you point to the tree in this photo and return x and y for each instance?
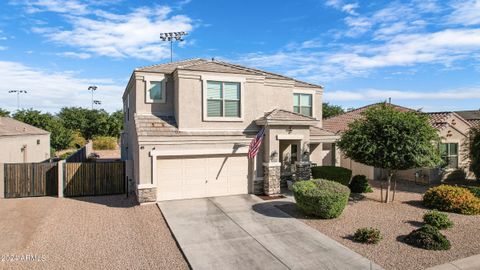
(390, 139)
(60, 137)
(331, 110)
(475, 151)
(116, 123)
(91, 123)
(4, 113)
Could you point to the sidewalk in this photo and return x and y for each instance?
(469, 263)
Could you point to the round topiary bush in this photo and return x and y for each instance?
(452, 199)
(367, 235)
(428, 237)
(359, 184)
(438, 220)
(321, 198)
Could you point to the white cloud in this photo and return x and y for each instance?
(135, 34)
(60, 6)
(350, 8)
(384, 94)
(49, 91)
(3, 48)
(74, 55)
(466, 13)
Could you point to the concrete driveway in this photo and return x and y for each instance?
(244, 232)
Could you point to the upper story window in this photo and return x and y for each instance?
(302, 103)
(155, 89)
(223, 99)
(449, 154)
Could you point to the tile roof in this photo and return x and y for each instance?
(12, 127)
(198, 64)
(316, 131)
(152, 125)
(340, 123)
(284, 115)
(469, 115)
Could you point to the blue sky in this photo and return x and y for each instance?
(421, 53)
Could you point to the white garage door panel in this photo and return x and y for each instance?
(183, 178)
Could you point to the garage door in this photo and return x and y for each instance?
(198, 177)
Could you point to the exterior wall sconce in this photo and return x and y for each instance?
(289, 129)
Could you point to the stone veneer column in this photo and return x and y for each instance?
(271, 178)
(146, 193)
(304, 171)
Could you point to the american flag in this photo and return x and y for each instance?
(255, 144)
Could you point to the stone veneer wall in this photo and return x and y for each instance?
(271, 179)
(145, 195)
(258, 187)
(304, 171)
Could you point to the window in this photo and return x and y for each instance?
(223, 99)
(449, 154)
(302, 103)
(155, 90)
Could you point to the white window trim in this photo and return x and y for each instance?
(156, 78)
(232, 79)
(311, 92)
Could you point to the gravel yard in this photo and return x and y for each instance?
(108, 232)
(396, 220)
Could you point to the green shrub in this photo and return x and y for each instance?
(359, 184)
(321, 198)
(475, 191)
(428, 237)
(452, 199)
(332, 173)
(78, 141)
(367, 235)
(66, 155)
(437, 219)
(104, 143)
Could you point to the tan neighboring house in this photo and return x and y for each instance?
(188, 126)
(454, 147)
(21, 143)
(472, 117)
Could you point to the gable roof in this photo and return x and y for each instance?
(340, 122)
(472, 117)
(198, 64)
(12, 127)
(284, 117)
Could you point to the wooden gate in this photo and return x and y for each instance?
(31, 180)
(94, 178)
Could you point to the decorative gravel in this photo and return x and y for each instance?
(395, 220)
(108, 232)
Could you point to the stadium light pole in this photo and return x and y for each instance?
(97, 102)
(18, 92)
(171, 36)
(92, 88)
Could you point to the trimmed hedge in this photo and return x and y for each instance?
(437, 219)
(428, 237)
(367, 235)
(452, 199)
(475, 191)
(359, 184)
(332, 173)
(322, 198)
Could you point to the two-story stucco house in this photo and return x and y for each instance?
(188, 126)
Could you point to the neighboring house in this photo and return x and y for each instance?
(188, 126)
(454, 147)
(473, 116)
(20, 142)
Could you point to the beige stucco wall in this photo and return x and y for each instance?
(184, 100)
(357, 168)
(11, 148)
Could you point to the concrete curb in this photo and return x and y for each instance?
(469, 263)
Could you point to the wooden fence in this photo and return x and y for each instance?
(96, 178)
(31, 180)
